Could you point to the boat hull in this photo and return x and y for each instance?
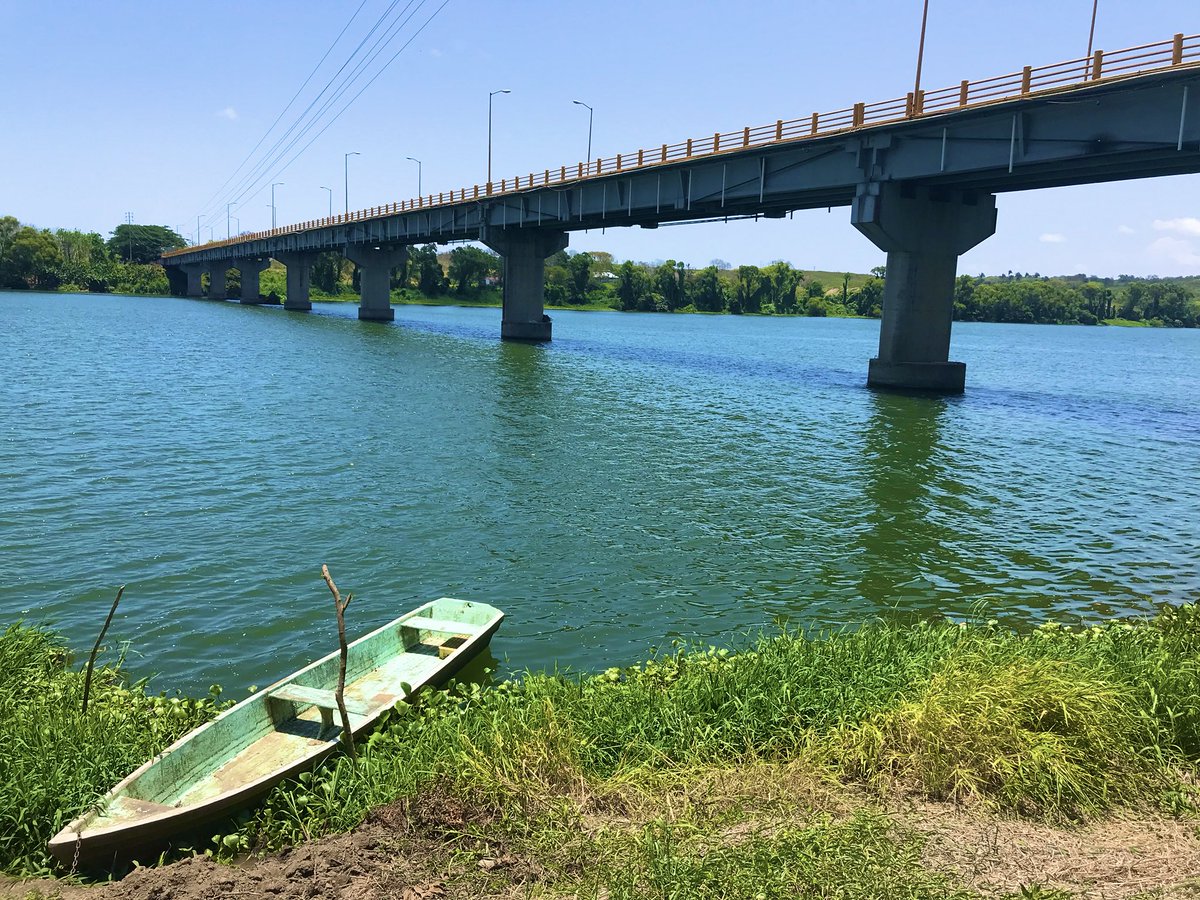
(233, 761)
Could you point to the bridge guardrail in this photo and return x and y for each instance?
(1181, 50)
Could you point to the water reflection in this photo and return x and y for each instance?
(903, 541)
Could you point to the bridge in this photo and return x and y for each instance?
(920, 174)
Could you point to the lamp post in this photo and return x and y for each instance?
(418, 162)
(1092, 32)
(239, 225)
(590, 113)
(228, 235)
(330, 199)
(921, 54)
(346, 174)
(490, 96)
(273, 186)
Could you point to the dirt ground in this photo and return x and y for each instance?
(394, 856)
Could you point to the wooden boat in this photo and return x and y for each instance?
(227, 763)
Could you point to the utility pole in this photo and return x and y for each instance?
(129, 232)
(921, 54)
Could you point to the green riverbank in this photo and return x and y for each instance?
(770, 772)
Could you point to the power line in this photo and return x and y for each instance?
(251, 177)
(208, 203)
(375, 51)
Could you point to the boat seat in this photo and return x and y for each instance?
(325, 701)
(441, 626)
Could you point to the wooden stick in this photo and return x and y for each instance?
(87, 681)
(340, 605)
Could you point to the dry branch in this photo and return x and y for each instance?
(87, 681)
(340, 605)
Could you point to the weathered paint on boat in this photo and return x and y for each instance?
(225, 764)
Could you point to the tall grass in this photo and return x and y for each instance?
(1055, 723)
(54, 761)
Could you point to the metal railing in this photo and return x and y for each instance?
(1181, 50)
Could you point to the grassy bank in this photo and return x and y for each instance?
(54, 761)
(700, 772)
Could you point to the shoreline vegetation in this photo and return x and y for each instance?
(793, 765)
(77, 262)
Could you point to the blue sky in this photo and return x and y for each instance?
(149, 108)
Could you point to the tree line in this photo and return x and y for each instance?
(70, 260)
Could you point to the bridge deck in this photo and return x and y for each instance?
(1101, 69)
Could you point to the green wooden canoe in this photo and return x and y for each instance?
(228, 763)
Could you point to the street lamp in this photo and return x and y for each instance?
(346, 168)
(1092, 33)
(590, 113)
(490, 96)
(330, 199)
(275, 185)
(418, 162)
(920, 56)
(227, 217)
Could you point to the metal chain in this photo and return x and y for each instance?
(78, 844)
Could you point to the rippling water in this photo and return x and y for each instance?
(642, 478)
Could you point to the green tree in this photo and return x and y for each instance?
(143, 243)
(32, 260)
(782, 282)
(868, 299)
(669, 282)
(470, 268)
(579, 269)
(85, 259)
(633, 286)
(748, 290)
(427, 270)
(707, 292)
(327, 272)
(9, 227)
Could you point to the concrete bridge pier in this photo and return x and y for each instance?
(524, 251)
(923, 230)
(299, 273)
(250, 268)
(375, 279)
(216, 280)
(194, 271)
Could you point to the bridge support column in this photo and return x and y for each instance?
(250, 268)
(299, 272)
(193, 271)
(923, 230)
(524, 251)
(216, 280)
(375, 279)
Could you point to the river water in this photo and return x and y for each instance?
(641, 479)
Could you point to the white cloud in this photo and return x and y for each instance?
(1175, 250)
(228, 113)
(1053, 238)
(1125, 229)
(1188, 226)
